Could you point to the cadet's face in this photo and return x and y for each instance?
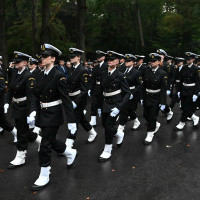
(139, 62)
(180, 64)
(61, 62)
(189, 62)
(21, 65)
(122, 60)
(68, 64)
(113, 63)
(33, 66)
(154, 63)
(0, 62)
(129, 63)
(101, 59)
(75, 60)
(46, 61)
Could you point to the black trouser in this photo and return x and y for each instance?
(23, 134)
(80, 118)
(109, 124)
(150, 115)
(129, 110)
(174, 100)
(94, 105)
(188, 107)
(48, 143)
(3, 122)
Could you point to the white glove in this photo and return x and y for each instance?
(89, 93)
(178, 95)
(74, 105)
(131, 97)
(162, 107)
(84, 112)
(6, 106)
(99, 112)
(36, 130)
(31, 119)
(168, 92)
(115, 112)
(141, 102)
(194, 98)
(72, 128)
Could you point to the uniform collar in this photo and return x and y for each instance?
(190, 65)
(139, 66)
(111, 72)
(101, 63)
(20, 72)
(154, 69)
(47, 72)
(76, 66)
(32, 70)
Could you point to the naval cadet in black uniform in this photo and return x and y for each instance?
(121, 64)
(116, 94)
(78, 92)
(23, 106)
(134, 79)
(154, 95)
(188, 90)
(52, 92)
(95, 87)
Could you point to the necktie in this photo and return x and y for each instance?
(109, 73)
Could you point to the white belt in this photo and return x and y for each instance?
(74, 93)
(50, 104)
(189, 84)
(153, 91)
(105, 94)
(131, 88)
(98, 82)
(19, 99)
(178, 81)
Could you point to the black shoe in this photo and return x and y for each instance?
(2, 132)
(11, 166)
(119, 145)
(104, 159)
(147, 143)
(37, 187)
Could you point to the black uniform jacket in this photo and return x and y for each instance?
(116, 81)
(154, 81)
(50, 88)
(134, 79)
(78, 80)
(189, 76)
(19, 87)
(2, 90)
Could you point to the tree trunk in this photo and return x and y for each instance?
(34, 26)
(81, 18)
(44, 37)
(3, 47)
(140, 27)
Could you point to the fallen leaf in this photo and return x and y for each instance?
(133, 167)
(88, 198)
(188, 145)
(34, 192)
(168, 146)
(113, 170)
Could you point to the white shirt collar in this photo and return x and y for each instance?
(20, 72)
(139, 66)
(76, 65)
(101, 63)
(111, 71)
(180, 68)
(190, 65)
(128, 69)
(32, 70)
(154, 69)
(47, 72)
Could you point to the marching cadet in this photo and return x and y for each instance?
(116, 94)
(178, 67)
(78, 92)
(166, 65)
(188, 90)
(134, 80)
(95, 86)
(23, 106)
(140, 64)
(122, 66)
(154, 95)
(4, 124)
(51, 90)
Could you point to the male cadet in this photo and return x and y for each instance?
(188, 90)
(166, 65)
(134, 79)
(116, 94)
(178, 67)
(78, 92)
(52, 93)
(95, 86)
(122, 66)
(23, 107)
(154, 95)
(4, 124)
(140, 64)
(61, 66)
